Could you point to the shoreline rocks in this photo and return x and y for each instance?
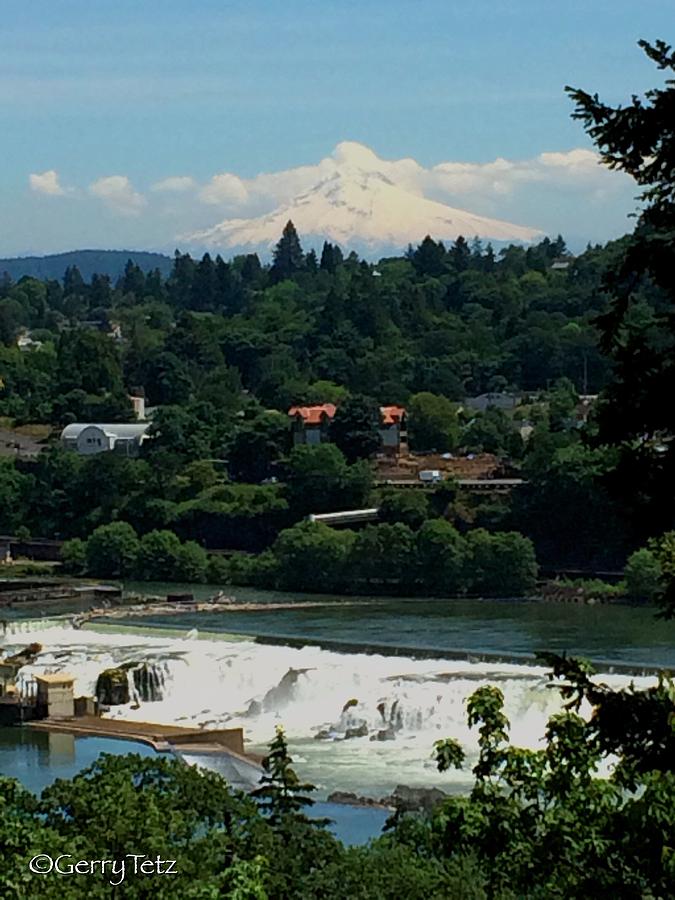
(347, 798)
(403, 798)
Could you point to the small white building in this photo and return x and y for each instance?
(88, 439)
(55, 695)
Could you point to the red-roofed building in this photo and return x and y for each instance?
(311, 423)
(311, 426)
(393, 430)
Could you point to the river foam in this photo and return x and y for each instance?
(397, 705)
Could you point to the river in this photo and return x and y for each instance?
(209, 670)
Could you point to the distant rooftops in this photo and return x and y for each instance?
(313, 415)
(392, 415)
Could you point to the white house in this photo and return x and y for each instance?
(87, 439)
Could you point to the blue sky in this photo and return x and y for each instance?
(155, 89)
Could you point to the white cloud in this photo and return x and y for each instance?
(224, 190)
(465, 182)
(547, 191)
(46, 183)
(569, 169)
(118, 194)
(175, 184)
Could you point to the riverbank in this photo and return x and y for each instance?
(89, 599)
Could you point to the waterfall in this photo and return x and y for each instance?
(146, 683)
(354, 721)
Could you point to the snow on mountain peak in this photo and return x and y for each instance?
(358, 200)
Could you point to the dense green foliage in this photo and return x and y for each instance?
(216, 344)
(393, 558)
(639, 338)
(487, 323)
(544, 823)
(115, 551)
(222, 349)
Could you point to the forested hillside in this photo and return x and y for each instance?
(221, 350)
(455, 322)
(89, 262)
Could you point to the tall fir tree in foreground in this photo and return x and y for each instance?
(639, 139)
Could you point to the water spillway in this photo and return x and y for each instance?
(362, 722)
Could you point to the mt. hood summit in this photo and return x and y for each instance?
(359, 201)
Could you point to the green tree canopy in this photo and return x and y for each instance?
(112, 550)
(354, 428)
(432, 422)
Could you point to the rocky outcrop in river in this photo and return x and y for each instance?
(404, 798)
(112, 687)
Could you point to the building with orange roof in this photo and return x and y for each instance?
(393, 430)
(311, 426)
(311, 423)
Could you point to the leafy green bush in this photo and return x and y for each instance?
(112, 551)
(74, 556)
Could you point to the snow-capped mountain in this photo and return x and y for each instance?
(360, 202)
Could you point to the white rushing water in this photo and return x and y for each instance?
(230, 683)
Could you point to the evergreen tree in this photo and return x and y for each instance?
(54, 298)
(6, 284)
(101, 291)
(488, 262)
(639, 139)
(225, 291)
(354, 429)
(251, 269)
(133, 280)
(154, 285)
(180, 281)
(73, 282)
(429, 258)
(460, 255)
(331, 257)
(288, 256)
(204, 291)
(311, 263)
(282, 795)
